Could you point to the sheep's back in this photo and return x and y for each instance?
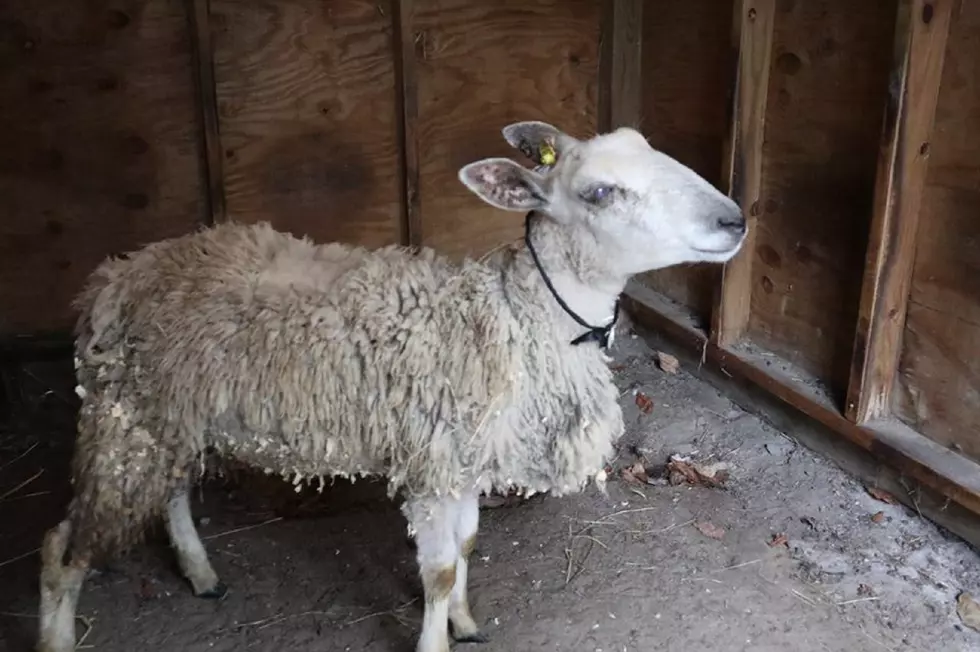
(301, 358)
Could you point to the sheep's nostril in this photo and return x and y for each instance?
(732, 222)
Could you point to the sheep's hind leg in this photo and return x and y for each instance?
(60, 585)
(191, 556)
(465, 629)
(434, 523)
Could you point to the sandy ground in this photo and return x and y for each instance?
(652, 566)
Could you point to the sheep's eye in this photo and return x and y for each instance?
(597, 194)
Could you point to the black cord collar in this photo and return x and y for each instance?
(598, 334)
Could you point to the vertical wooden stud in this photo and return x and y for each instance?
(198, 14)
(621, 74)
(406, 43)
(753, 27)
(922, 28)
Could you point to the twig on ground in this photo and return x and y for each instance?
(389, 612)
(661, 530)
(20, 457)
(19, 557)
(30, 495)
(79, 645)
(241, 529)
(21, 485)
(733, 567)
(856, 600)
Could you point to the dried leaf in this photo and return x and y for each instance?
(968, 611)
(668, 363)
(882, 495)
(878, 517)
(636, 474)
(680, 470)
(778, 540)
(710, 530)
(644, 403)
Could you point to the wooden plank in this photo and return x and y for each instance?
(98, 150)
(688, 77)
(755, 26)
(828, 83)
(938, 389)
(952, 475)
(480, 66)
(308, 106)
(405, 55)
(198, 13)
(920, 46)
(620, 86)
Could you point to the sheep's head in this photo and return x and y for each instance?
(643, 208)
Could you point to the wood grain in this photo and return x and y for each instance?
(620, 73)
(408, 102)
(687, 81)
(858, 462)
(481, 66)
(743, 163)
(199, 22)
(920, 47)
(309, 116)
(890, 441)
(938, 391)
(828, 84)
(99, 149)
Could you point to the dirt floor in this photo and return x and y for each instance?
(785, 553)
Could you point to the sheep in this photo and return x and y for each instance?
(449, 379)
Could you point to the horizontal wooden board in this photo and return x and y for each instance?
(688, 73)
(309, 118)
(939, 375)
(99, 145)
(827, 93)
(919, 459)
(480, 66)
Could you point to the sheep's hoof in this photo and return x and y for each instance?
(475, 637)
(217, 592)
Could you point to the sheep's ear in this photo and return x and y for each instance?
(505, 184)
(534, 138)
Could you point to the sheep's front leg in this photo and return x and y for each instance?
(467, 523)
(434, 523)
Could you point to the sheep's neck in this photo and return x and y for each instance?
(577, 275)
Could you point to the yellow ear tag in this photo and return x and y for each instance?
(547, 154)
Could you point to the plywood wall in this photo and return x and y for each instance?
(856, 300)
(827, 89)
(131, 121)
(98, 145)
(479, 66)
(939, 378)
(688, 76)
(308, 116)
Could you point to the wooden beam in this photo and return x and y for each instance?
(753, 29)
(407, 42)
(857, 461)
(198, 14)
(620, 75)
(922, 28)
(910, 453)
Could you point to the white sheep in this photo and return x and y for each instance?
(313, 361)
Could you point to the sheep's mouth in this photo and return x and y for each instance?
(718, 252)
